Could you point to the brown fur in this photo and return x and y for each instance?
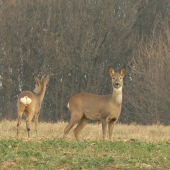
(32, 110)
(107, 108)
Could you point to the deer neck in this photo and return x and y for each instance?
(41, 94)
(117, 95)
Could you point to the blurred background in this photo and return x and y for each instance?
(77, 41)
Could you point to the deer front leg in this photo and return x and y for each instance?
(104, 128)
(110, 127)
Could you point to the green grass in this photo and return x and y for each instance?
(62, 154)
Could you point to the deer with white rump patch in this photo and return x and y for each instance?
(29, 103)
(87, 106)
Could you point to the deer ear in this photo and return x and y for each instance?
(37, 80)
(42, 78)
(111, 71)
(123, 71)
(46, 80)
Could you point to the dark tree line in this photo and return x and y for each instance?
(76, 41)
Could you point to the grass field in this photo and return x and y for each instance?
(133, 147)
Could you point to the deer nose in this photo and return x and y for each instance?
(117, 84)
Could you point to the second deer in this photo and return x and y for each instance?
(87, 106)
(30, 103)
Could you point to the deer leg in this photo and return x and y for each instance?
(36, 124)
(72, 122)
(20, 113)
(104, 128)
(18, 124)
(28, 121)
(110, 127)
(79, 127)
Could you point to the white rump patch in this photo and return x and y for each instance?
(25, 100)
(119, 99)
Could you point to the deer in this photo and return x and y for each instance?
(29, 103)
(105, 108)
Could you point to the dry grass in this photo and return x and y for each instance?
(154, 133)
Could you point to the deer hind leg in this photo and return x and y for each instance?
(79, 127)
(110, 127)
(36, 124)
(73, 121)
(28, 121)
(20, 113)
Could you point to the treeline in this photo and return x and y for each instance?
(76, 41)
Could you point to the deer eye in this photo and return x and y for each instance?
(113, 78)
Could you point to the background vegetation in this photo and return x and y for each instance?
(77, 40)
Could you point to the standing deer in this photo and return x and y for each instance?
(30, 103)
(87, 106)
